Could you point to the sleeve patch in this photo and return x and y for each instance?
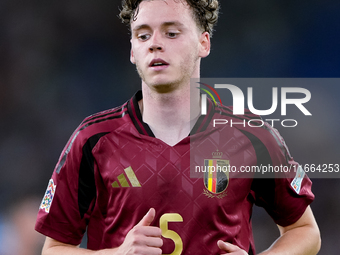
(296, 183)
(48, 197)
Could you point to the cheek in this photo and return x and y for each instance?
(191, 46)
(189, 52)
(136, 54)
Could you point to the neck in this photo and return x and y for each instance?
(170, 115)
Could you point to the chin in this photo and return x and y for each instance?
(162, 86)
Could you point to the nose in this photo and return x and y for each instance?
(156, 43)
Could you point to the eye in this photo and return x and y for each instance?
(172, 34)
(143, 37)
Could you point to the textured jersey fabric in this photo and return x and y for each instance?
(113, 170)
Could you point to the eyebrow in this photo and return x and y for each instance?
(164, 25)
(172, 23)
(143, 26)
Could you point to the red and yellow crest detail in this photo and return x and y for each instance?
(216, 175)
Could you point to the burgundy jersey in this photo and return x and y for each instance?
(113, 170)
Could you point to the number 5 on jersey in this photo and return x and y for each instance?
(163, 224)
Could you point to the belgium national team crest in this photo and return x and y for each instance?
(216, 175)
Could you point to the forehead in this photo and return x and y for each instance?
(154, 12)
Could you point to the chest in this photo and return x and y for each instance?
(129, 171)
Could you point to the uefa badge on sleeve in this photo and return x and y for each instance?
(48, 197)
(297, 182)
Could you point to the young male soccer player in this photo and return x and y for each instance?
(124, 174)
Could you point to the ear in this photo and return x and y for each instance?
(132, 58)
(204, 47)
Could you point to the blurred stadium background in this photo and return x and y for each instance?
(61, 61)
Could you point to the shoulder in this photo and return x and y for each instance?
(224, 115)
(228, 111)
(103, 122)
(90, 131)
(253, 126)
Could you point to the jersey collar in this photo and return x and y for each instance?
(144, 129)
(136, 116)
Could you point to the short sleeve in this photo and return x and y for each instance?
(70, 195)
(288, 193)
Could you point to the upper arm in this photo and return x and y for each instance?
(304, 231)
(50, 243)
(306, 220)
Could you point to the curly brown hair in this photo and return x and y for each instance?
(205, 12)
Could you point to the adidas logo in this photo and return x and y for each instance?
(124, 182)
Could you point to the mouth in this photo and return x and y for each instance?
(158, 63)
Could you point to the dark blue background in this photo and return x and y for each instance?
(62, 61)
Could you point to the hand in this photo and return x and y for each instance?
(230, 248)
(143, 238)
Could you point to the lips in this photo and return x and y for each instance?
(158, 62)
